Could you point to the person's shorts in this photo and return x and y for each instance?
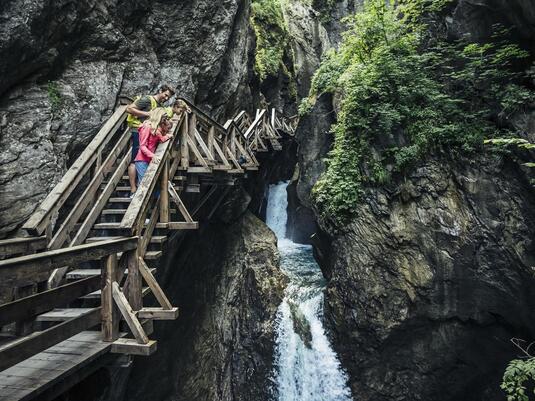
(141, 169)
(135, 144)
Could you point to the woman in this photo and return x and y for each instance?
(151, 133)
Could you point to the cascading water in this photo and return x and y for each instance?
(306, 367)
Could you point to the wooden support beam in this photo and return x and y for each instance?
(147, 234)
(110, 314)
(183, 225)
(135, 295)
(129, 315)
(154, 286)
(196, 152)
(181, 207)
(184, 151)
(210, 141)
(164, 196)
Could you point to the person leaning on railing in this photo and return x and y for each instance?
(151, 133)
(138, 112)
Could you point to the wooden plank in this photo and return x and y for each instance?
(204, 199)
(21, 267)
(88, 196)
(204, 147)
(135, 296)
(132, 347)
(181, 207)
(221, 154)
(60, 370)
(16, 246)
(256, 123)
(184, 151)
(12, 354)
(210, 141)
(38, 303)
(62, 314)
(129, 316)
(38, 221)
(154, 286)
(110, 314)
(158, 313)
(183, 225)
(164, 195)
(198, 156)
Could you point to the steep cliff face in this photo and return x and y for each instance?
(432, 279)
(435, 274)
(64, 65)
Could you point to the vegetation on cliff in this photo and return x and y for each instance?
(405, 93)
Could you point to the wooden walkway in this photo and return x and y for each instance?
(80, 277)
(41, 372)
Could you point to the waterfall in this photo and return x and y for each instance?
(306, 367)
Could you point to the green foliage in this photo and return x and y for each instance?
(395, 84)
(54, 96)
(271, 36)
(518, 142)
(516, 375)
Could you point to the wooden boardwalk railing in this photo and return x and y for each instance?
(95, 247)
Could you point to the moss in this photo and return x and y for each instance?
(442, 98)
(54, 96)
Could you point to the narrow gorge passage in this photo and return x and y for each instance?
(306, 367)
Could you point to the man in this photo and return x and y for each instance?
(138, 112)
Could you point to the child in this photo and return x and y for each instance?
(151, 133)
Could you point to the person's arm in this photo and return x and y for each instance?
(144, 133)
(139, 107)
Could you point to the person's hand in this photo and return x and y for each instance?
(170, 136)
(156, 160)
(188, 110)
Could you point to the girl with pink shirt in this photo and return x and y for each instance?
(151, 133)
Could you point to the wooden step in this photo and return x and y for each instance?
(120, 200)
(156, 239)
(60, 315)
(131, 347)
(117, 226)
(114, 211)
(183, 225)
(153, 255)
(77, 274)
(158, 313)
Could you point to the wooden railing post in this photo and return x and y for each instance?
(164, 194)
(135, 297)
(184, 150)
(210, 143)
(110, 315)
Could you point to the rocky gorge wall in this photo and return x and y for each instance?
(434, 275)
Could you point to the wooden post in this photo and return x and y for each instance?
(110, 316)
(211, 134)
(164, 194)
(135, 297)
(191, 130)
(184, 149)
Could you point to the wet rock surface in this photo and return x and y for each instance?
(432, 279)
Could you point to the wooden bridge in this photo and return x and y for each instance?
(78, 280)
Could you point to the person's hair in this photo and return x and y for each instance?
(180, 104)
(164, 88)
(156, 117)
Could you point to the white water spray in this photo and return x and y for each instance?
(306, 367)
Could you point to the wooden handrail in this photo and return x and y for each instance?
(23, 267)
(15, 246)
(40, 219)
(255, 124)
